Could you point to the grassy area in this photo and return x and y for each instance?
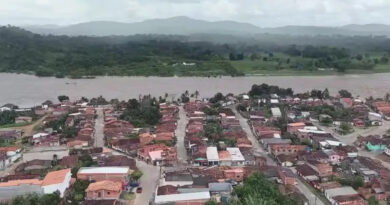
(260, 67)
(14, 125)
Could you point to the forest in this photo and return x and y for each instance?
(170, 55)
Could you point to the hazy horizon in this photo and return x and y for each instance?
(265, 13)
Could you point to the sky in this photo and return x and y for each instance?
(263, 13)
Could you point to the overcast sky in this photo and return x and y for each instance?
(264, 13)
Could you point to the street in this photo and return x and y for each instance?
(351, 138)
(180, 134)
(313, 200)
(148, 181)
(99, 128)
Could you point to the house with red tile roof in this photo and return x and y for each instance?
(56, 181)
(105, 189)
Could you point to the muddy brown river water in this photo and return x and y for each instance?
(28, 90)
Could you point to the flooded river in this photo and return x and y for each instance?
(28, 90)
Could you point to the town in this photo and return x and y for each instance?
(267, 146)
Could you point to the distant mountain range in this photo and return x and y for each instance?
(186, 26)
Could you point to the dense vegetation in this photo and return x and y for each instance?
(142, 113)
(257, 190)
(155, 55)
(34, 199)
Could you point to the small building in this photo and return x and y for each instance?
(56, 181)
(183, 198)
(212, 156)
(120, 174)
(236, 156)
(103, 190)
(276, 113)
(330, 194)
(286, 176)
(23, 119)
(13, 188)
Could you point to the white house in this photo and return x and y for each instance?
(212, 156)
(236, 156)
(56, 181)
(276, 112)
(387, 151)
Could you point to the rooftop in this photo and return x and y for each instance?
(20, 182)
(55, 177)
(105, 185)
(103, 170)
(212, 154)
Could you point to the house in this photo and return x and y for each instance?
(278, 149)
(353, 199)
(9, 136)
(236, 174)
(119, 174)
(220, 189)
(102, 202)
(117, 160)
(13, 153)
(103, 190)
(293, 127)
(276, 113)
(376, 144)
(212, 156)
(236, 156)
(23, 119)
(46, 140)
(307, 172)
(183, 198)
(286, 176)
(225, 158)
(387, 151)
(177, 179)
(56, 181)
(13, 188)
(286, 160)
(341, 191)
(69, 161)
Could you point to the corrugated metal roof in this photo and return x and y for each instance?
(182, 197)
(104, 170)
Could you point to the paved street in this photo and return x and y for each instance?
(180, 134)
(148, 181)
(351, 138)
(313, 200)
(99, 128)
(256, 145)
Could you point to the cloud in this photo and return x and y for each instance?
(265, 13)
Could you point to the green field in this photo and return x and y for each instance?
(281, 64)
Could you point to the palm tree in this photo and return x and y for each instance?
(196, 94)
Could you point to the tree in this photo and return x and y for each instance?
(7, 117)
(325, 94)
(211, 202)
(257, 190)
(62, 98)
(387, 97)
(345, 94)
(196, 94)
(136, 175)
(372, 201)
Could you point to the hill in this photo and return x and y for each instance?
(182, 25)
(176, 25)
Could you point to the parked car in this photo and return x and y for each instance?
(139, 190)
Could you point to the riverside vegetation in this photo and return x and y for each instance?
(170, 55)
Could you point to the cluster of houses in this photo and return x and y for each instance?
(155, 145)
(230, 148)
(315, 155)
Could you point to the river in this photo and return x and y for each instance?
(28, 90)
